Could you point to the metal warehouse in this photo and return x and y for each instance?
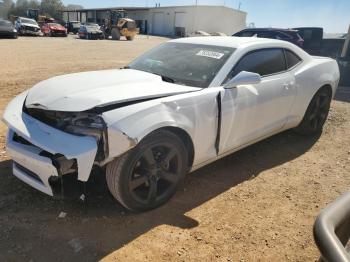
(172, 20)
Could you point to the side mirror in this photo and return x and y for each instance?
(243, 78)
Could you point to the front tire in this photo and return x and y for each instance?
(316, 113)
(148, 175)
(115, 34)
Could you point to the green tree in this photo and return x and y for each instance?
(74, 7)
(52, 8)
(21, 7)
(5, 7)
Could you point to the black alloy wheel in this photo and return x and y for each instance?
(317, 113)
(148, 175)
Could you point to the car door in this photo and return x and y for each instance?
(251, 112)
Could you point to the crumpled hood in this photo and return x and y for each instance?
(30, 25)
(83, 91)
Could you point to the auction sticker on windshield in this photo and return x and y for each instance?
(210, 54)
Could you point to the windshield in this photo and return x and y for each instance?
(75, 24)
(92, 25)
(28, 21)
(185, 64)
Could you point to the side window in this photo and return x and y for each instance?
(292, 59)
(264, 62)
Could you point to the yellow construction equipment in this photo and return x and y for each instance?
(117, 25)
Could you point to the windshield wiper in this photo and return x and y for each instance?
(164, 78)
(167, 79)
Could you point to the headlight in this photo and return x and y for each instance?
(90, 121)
(14, 30)
(86, 124)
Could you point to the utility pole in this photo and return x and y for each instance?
(346, 47)
(239, 5)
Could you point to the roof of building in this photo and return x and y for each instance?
(146, 8)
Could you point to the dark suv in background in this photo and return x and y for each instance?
(313, 37)
(289, 35)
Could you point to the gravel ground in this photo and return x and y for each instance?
(256, 205)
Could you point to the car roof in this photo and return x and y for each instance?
(271, 29)
(227, 41)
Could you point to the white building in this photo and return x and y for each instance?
(172, 20)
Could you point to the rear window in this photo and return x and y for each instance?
(291, 59)
(266, 34)
(284, 35)
(245, 34)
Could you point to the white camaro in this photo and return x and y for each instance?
(180, 106)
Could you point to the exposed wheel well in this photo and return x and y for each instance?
(186, 139)
(328, 88)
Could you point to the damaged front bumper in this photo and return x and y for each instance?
(35, 148)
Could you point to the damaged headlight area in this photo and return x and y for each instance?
(76, 123)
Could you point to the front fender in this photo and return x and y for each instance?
(195, 113)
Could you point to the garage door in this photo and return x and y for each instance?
(180, 19)
(158, 22)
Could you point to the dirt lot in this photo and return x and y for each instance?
(256, 205)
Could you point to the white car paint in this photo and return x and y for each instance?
(82, 91)
(44, 137)
(248, 113)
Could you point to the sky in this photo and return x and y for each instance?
(332, 15)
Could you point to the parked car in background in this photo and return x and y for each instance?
(273, 33)
(26, 26)
(7, 29)
(73, 26)
(313, 37)
(178, 107)
(90, 31)
(53, 29)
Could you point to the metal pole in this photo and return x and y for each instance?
(346, 47)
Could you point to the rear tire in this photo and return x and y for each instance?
(148, 175)
(316, 113)
(115, 34)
